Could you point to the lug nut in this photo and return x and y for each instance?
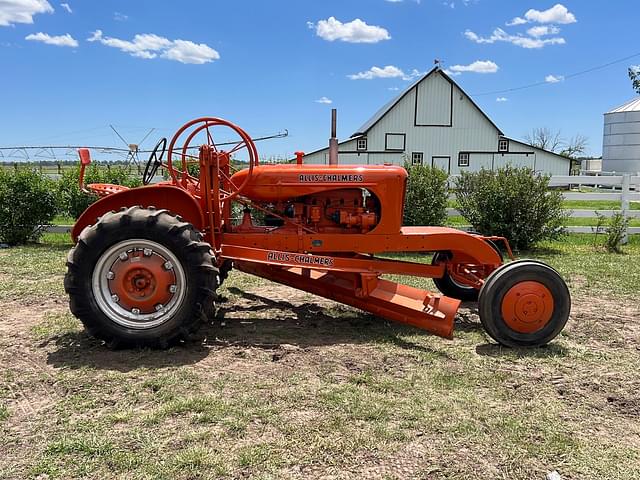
(123, 256)
(159, 307)
(115, 298)
(168, 265)
(135, 311)
(110, 275)
(173, 288)
(147, 252)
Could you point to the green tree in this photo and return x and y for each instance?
(634, 76)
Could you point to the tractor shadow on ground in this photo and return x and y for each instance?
(78, 350)
(256, 322)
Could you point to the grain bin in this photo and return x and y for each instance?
(621, 146)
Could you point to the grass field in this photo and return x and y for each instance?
(293, 386)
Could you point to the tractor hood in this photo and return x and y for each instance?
(273, 183)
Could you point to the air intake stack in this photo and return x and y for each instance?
(333, 141)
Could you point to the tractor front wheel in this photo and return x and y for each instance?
(524, 304)
(141, 277)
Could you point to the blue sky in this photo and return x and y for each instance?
(266, 64)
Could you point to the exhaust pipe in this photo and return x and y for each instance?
(333, 141)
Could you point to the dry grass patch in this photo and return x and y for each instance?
(297, 387)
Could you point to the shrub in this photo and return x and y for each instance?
(427, 194)
(515, 203)
(27, 201)
(616, 231)
(72, 201)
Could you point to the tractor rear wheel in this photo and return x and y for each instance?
(524, 304)
(141, 277)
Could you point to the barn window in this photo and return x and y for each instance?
(463, 159)
(416, 158)
(362, 144)
(503, 145)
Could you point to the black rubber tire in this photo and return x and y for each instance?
(225, 268)
(499, 283)
(160, 226)
(447, 286)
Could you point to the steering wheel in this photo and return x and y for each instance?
(201, 132)
(154, 161)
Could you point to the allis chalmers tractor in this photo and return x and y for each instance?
(147, 261)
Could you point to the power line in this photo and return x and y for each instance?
(566, 77)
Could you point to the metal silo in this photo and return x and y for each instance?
(621, 146)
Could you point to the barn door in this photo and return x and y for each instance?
(443, 163)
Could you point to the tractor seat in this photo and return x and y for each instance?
(104, 189)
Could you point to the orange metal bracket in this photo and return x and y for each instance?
(334, 263)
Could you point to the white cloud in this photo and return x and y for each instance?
(65, 6)
(516, 21)
(324, 100)
(376, 72)
(553, 78)
(355, 31)
(59, 40)
(452, 3)
(543, 30)
(120, 17)
(415, 73)
(499, 35)
(502, 99)
(556, 14)
(22, 11)
(149, 45)
(393, 89)
(479, 66)
(184, 51)
(390, 71)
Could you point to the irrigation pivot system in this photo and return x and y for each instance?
(147, 261)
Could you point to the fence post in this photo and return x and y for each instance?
(626, 192)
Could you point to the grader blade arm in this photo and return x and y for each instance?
(390, 300)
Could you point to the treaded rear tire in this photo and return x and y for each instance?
(166, 229)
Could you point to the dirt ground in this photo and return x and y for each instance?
(312, 389)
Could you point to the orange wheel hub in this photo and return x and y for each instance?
(142, 281)
(527, 307)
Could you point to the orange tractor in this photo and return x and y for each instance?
(147, 261)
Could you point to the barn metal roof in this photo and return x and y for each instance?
(630, 106)
(389, 105)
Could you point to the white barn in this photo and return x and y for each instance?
(434, 122)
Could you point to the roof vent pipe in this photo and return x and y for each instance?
(333, 141)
